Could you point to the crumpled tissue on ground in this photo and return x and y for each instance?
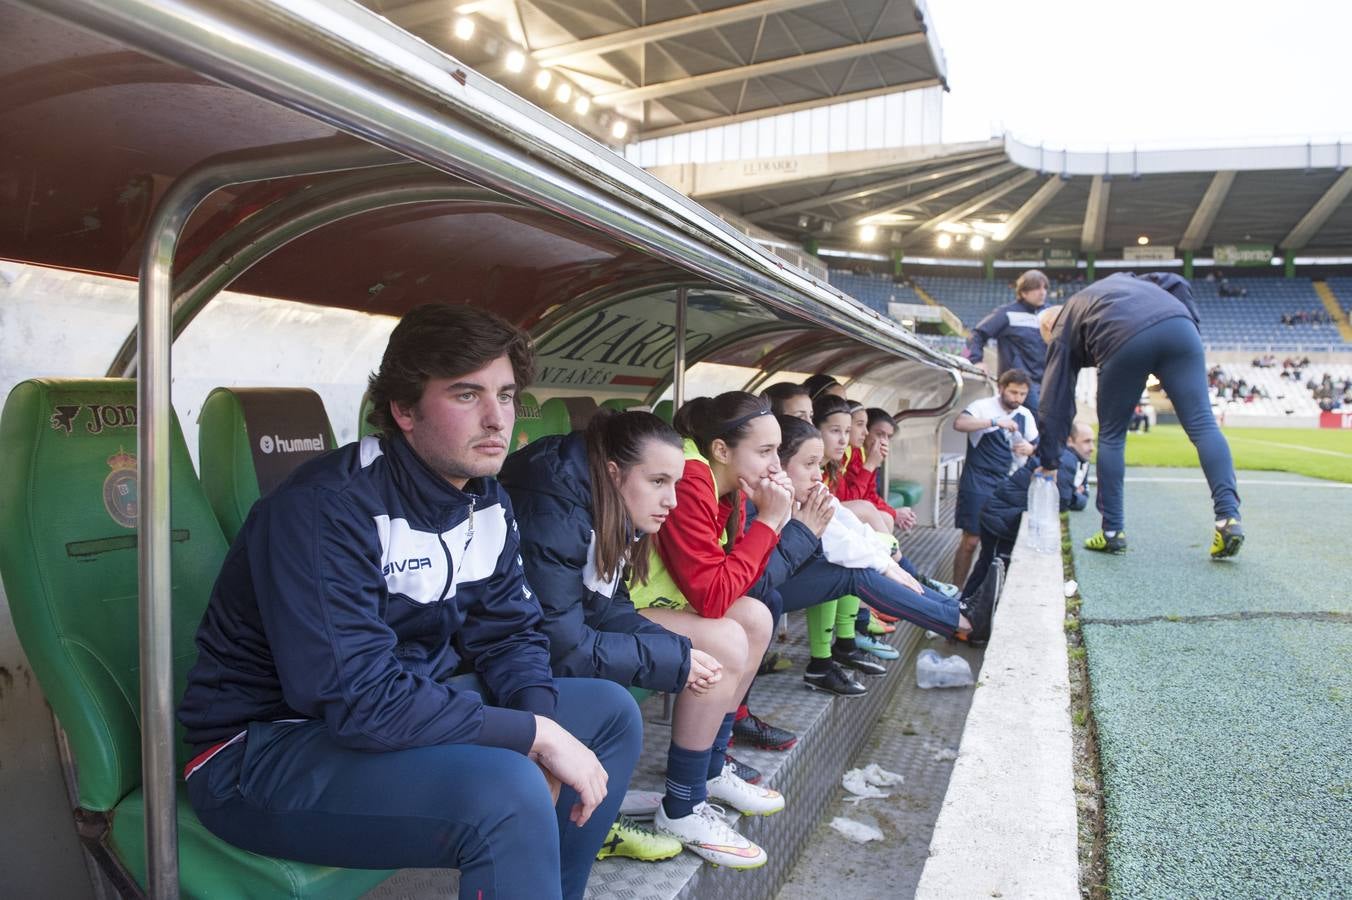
(856, 831)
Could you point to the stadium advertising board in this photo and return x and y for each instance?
(1059, 258)
(1242, 254)
(1336, 420)
(1155, 253)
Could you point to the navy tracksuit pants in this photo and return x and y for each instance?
(288, 790)
(1172, 350)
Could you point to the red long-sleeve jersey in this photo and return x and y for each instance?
(691, 545)
(858, 483)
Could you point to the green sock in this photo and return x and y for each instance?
(821, 620)
(847, 609)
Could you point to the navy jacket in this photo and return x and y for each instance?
(353, 592)
(1015, 331)
(593, 628)
(1094, 324)
(1000, 515)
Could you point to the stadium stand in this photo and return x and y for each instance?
(1254, 321)
(1277, 395)
(874, 290)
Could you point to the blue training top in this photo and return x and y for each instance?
(352, 594)
(1017, 335)
(1094, 324)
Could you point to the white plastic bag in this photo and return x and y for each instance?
(935, 671)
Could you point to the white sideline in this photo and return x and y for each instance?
(1008, 825)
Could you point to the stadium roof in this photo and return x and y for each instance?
(1023, 198)
(670, 67)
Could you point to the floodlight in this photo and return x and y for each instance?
(944, 240)
(619, 129)
(564, 93)
(868, 233)
(978, 242)
(516, 61)
(542, 79)
(582, 104)
(464, 29)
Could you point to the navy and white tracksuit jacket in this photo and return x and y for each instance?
(1017, 335)
(354, 592)
(594, 630)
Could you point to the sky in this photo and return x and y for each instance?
(1095, 73)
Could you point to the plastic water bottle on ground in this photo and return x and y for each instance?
(1043, 517)
(935, 671)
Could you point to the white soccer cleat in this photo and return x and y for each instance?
(705, 834)
(748, 799)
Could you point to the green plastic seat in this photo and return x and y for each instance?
(663, 411)
(620, 404)
(363, 410)
(250, 439)
(69, 564)
(534, 421)
(904, 493)
(576, 411)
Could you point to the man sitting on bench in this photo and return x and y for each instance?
(327, 724)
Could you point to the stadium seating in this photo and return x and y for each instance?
(1284, 397)
(1252, 321)
(873, 290)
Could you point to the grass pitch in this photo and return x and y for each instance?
(1316, 452)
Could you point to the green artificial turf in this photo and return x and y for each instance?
(1317, 452)
(1222, 691)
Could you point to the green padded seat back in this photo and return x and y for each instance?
(663, 411)
(575, 411)
(69, 562)
(533, 420)
(620, 404)
(250, 439)
(364, 427)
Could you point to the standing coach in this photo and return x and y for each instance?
(1129, 327)
(1014, 329)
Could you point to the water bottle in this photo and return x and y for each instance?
(1043, 518)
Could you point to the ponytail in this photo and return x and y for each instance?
(620, 437)
(727, 417)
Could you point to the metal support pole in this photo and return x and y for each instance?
(155, 415)
(678, 364)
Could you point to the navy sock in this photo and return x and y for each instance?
(686, 781)
(719, 754)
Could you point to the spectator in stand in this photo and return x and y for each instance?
(1014, 329)
(1130, 327)
(1001, 433)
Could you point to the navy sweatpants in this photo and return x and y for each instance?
(819, 581)
(991, 547)
(288, 790)
(1172, 350)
